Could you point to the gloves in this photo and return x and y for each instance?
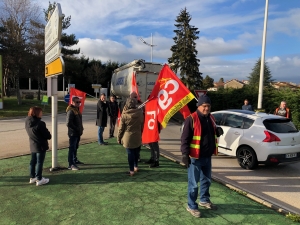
(186, 160)
(219, 131)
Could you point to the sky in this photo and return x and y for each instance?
(230, 38)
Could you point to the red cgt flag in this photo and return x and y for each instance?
(80, 94)
(119, 118)
(185, 111)
(150, 131)
(134, 87)
(171, 93)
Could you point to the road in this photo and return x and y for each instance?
(279, 185)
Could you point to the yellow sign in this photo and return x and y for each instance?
(57, 67)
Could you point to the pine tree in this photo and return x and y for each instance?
(208, 82)
(255, 75)
(184, 53)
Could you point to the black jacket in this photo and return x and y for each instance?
(207, 142)
(102, 109)
(38, 134)
(113, 109)
(74, 121)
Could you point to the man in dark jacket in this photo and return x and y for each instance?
(101, 122)
(113, 115)
(75, 130)
(198, 144)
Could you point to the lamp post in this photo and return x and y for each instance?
(262, 63)
(29, 81)
(151, 45)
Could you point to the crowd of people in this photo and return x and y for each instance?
(198, 141)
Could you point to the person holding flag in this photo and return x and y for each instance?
(75, 130)
(198, 143)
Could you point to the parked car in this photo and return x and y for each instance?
(257, 138)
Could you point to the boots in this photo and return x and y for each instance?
(154, 164)
(150, 161)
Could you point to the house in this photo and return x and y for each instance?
(234, 83)
(282, 84)
(217, 86)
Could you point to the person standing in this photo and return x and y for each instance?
(101, 121)
(113, 115)
(38, 140)
(246, 105)
(130, 132)
(198, 144)
(75, 130)
(282, 110)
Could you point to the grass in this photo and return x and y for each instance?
(100, 193)
(12, 109)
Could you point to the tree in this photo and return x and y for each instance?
(221, 80)
(208, 82)
(255, 75)
(184, 53)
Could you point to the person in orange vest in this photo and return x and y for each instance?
(282, 110)
(198, 144)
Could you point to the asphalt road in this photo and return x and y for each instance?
(279, 185)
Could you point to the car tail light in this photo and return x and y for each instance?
(273, 160)
(270, 137)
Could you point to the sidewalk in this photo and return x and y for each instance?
(101, 193)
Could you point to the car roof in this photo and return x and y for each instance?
(250, 114)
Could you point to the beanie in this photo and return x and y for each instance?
(203, 99)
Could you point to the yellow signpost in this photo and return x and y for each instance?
(56, 67)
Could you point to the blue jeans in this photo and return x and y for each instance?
(36, 165)
(133, 156)
(73, 146)
(199, 170)
(100, 135)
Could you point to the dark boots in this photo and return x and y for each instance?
(154, 164)
(150, 161)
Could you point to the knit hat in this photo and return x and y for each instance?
(203, 99)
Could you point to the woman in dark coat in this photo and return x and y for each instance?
(101, 121)
(38, 140)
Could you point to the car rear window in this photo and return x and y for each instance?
(280, 125)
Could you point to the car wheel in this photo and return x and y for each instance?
(247, 158)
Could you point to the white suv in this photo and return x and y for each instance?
(257, 138)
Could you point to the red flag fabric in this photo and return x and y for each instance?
(80, 94)
(185, 111)
(119, 118)
(134, 87)
(171, 93)
(150, 131)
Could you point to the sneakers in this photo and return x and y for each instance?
(129, 173)
(208, 205)
(136, 169)
(150, 161)
(32, 180)
(104, 143)
(154, 165)
(194, 212)
(42, 181)
(78, 162)
(73, 167)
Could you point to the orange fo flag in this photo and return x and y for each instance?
(80, 94)
(171, 95)
(151, 129)
(134, 87)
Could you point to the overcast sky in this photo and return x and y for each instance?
(230, 38)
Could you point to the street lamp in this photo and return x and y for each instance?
(262, 63)
(151, 45)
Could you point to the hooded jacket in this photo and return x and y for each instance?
(38, 134)
(131, 125)
(74, 121)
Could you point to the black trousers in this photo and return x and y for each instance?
(154, 147)
(112, 125)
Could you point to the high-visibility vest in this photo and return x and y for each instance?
(195, 143)
(287, 115)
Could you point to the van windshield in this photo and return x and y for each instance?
(280, 125)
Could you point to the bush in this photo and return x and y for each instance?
(29, 96)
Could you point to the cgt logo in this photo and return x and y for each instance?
(120, 81)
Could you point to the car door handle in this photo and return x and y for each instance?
(236, 133)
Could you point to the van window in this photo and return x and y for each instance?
(280, 125)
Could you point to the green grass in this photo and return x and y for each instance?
(12, 109)
(100, 193)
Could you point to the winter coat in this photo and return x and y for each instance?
(130, 129)
(74, 121)
(102, 109)
(113, 109)
(38, 134)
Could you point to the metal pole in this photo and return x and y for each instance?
(29, 83)
(54, 122)
(151, 46)
(262, 64)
